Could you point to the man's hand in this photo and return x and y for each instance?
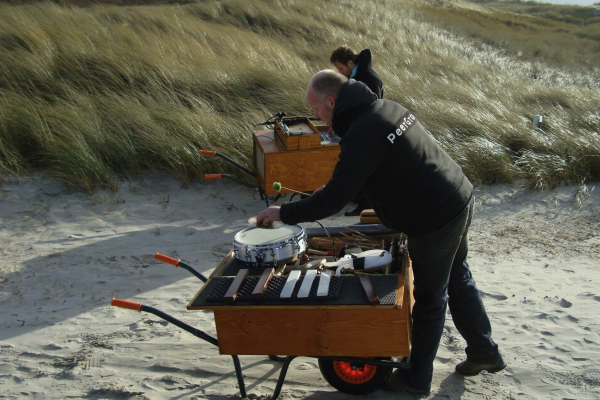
(268, 215)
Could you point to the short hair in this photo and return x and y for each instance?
(327, 83)
(343, 54)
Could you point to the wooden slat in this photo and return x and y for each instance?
(365, 281)
(234, 288)
(400, 291)
(368, 212)
(369, 220)
(263, 282)
(371, 331)
(368, 216)
(408, 274)
(223, 264)
(408, 296)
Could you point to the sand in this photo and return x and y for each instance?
(64, 254)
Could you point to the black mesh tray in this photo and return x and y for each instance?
(273, 291)
(345, 290)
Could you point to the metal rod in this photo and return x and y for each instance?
(282, 374)
(239, 181)
(193, 271)
(235, 163)
(194, 331)
(240, 377)
(263, 195)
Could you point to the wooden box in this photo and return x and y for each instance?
(309, 138)
(302, 169)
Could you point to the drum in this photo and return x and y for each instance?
(269, 247)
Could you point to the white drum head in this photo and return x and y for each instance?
(255, 236)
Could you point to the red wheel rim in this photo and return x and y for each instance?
(355, 376)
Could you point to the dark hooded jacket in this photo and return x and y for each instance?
(365, 73)
(413, 185)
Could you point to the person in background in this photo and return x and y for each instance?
(415, 188)
(360, 68)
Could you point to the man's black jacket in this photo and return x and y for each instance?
(365, 73)
(412, 184)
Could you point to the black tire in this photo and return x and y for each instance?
(354, 378)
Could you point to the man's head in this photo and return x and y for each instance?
(322, 93)
(344, 60)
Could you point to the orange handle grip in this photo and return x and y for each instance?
(212, 176)
(208, 153)
(130, 305)
(166, 259)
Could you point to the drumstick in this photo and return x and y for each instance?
(358, 233)
(277, 186)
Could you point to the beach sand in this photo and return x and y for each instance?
(65, 254)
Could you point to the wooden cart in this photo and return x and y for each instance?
(316, 329)
(357, 344)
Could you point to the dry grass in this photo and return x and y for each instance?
(92, 93)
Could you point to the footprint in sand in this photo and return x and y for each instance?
(7, 351)
(52, 346)
(494, 295)
(306, 366)
(565, 304)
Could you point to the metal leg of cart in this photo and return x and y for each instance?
(282, 374)
(263, 196)
(240, 377)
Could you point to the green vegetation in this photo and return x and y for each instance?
(93, 93)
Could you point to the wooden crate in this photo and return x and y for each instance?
(310, 138)
(302, 170)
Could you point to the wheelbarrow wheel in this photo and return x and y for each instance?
(354, 378)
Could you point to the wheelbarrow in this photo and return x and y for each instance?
(353, 374)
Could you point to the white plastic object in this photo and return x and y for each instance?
(309, 277)
(323, 289)
(288, 288)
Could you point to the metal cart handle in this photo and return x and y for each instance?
(178, 263)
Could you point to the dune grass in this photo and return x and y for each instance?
(90, 94)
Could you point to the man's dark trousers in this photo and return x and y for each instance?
(442, 277)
